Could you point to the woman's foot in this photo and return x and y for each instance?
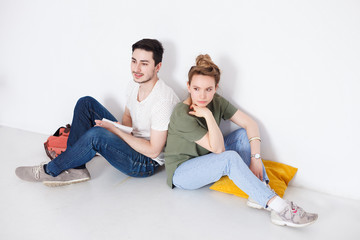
(293, 216)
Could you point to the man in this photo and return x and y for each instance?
(148, 110)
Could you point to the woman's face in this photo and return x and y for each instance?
(202, 90)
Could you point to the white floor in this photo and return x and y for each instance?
(114, 206)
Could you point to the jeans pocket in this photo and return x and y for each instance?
(143, 169)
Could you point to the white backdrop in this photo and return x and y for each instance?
(292, 65)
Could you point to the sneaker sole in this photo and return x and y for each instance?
(255, 205)
(282, 223)
(64, 183)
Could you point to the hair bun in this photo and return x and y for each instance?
(205, 66)
(204, 61)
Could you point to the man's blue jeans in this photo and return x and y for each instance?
(234, 162)
(85, 141)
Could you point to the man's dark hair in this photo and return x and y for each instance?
(151, 45)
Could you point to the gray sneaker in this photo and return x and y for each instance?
(37, 174)
(293, 216)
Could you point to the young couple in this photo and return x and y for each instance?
(196, 153)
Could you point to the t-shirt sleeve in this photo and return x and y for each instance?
(160, 115)
(229, 109)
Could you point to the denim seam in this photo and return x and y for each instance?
(68, 163)
(91, 109)
(135, 163)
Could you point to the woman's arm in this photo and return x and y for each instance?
(213, 139)
(252, 130)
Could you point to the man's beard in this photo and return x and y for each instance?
(145, 81)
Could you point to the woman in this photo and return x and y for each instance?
(197, 154)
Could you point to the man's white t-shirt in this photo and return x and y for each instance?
(153, 112)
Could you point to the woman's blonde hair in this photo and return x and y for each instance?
(205, 66)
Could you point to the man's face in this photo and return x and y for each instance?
(143, 66)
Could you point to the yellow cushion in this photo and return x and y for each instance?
(279, 175)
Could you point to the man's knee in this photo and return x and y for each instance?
(85, 100)
(84, 104)
(97, 132)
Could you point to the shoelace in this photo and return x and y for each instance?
(296, 209)
(36, 170)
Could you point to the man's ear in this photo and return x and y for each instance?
(188, 86)
(158, 66)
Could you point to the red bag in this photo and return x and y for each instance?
(56, 144)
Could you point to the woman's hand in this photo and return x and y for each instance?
(199, 111)
(213, 140)
(256, 167)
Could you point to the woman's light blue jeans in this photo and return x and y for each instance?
(234, 162)
(85, 141)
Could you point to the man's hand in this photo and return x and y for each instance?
(104, 124)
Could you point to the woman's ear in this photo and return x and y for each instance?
(217, 86)
(188, 86)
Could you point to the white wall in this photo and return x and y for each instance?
(292, 65)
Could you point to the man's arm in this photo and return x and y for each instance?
(126, 119)
(150, 148)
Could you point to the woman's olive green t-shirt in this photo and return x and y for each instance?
(184, 129)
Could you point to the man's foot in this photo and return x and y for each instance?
(293, 216)
(37, 174)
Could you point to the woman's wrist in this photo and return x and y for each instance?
(254, 138)
(208, 115)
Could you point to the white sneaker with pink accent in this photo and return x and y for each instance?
(293, 216)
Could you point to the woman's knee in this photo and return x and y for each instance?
(242, 134)
(233, 158)
(230, 157)
(230, 154)
(242, 138)
(238, 135)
